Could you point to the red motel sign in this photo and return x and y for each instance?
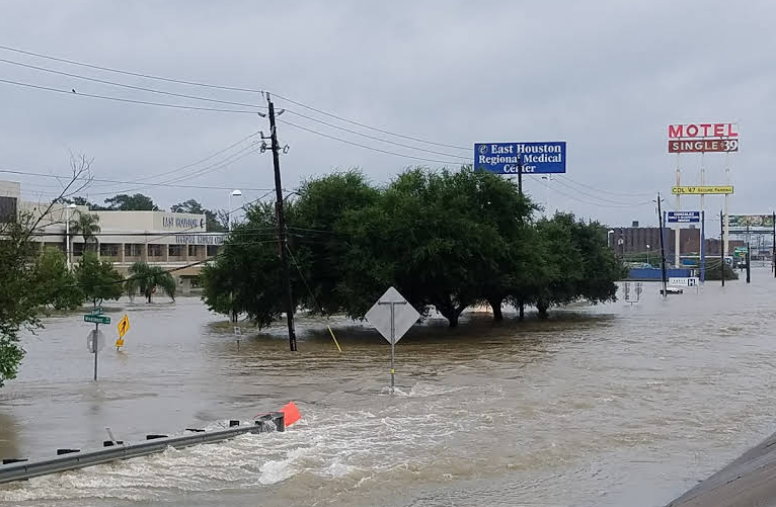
(703, 137)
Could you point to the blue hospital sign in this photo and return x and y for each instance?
(507, 158)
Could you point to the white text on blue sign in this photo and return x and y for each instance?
(528, 158)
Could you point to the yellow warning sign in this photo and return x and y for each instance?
(699, 190)
(123, 326)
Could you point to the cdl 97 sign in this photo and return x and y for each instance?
(703, 137)
(528, 158)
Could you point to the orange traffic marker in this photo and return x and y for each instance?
(291, 414)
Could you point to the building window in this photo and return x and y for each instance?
(109, 249)
(176, 250)
(212, 250)
(192, 250)
(7, 209)
(155, 250)
(133, 250)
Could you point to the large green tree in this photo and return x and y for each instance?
(444, 239)
(246, 276)
(97, 280)
(57, 285)
(146, 280)
(20, 296)
(580, 264)
(319, 237)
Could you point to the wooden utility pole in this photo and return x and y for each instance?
(662, 247)
(282, 232)
(721, 248)
(748, 257)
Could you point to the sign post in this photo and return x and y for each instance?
(95, 340)
(703, 246)
(122, 327)
(392, 316)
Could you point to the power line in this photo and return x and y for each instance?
(132, 101)
(285, 122)
(602, 199)
(363, 125)
(627, 194)
(181, 168)
(554, 189)
(131, 87)
(200, 172)
(203, 187)
(228, 88)
(128, 73)
(105, 97)
(332, 125)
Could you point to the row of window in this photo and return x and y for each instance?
(136, 250)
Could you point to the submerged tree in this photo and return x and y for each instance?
(22, 288)
(444, 239)
(57, 284)
(98, 280)
(146, 279)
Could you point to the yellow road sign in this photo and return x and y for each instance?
(123, 326)
(119, 343)
(699, 190)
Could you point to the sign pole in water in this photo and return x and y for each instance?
(703, 246)
(95, 340)
(392, 316)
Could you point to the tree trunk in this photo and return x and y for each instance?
(542, 306)
(148, 295)
(450, 312)
(521, 311)
(495, 304)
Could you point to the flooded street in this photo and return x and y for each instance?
(610, 405)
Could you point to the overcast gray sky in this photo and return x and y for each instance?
(607, 77)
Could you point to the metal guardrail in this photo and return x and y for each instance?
(23, 470)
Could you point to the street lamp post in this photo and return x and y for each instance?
(648, 258)
(609, 237)
(234, 193)
(68, 255)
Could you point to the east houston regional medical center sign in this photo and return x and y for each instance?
(528, 158)
(703, 138)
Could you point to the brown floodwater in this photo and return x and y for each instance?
(605, 405)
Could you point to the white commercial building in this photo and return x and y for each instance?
(173, 240)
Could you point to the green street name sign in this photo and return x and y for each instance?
(97, 319)
(96, 311)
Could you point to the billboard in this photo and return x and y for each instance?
(698, 190)
(703, 138)
(751, 221)
(702, 146)
(684, 217)
(531, 158)
(703, 131)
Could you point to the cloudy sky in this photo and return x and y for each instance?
(605, 76)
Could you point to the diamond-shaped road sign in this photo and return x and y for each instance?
(404, 315)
